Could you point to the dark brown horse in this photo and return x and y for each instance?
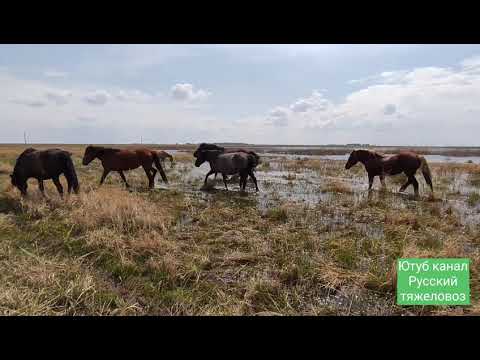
(44, 165)
(380, 165)
(121, 160)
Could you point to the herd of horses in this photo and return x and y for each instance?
(51, 163)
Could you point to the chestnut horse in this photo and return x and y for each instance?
(380, 165)
(121, 160)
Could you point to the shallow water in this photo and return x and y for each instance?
(306, 187)
(430, 158)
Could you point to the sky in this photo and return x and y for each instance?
(311, 94)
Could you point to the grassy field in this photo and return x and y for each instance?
(313, 241)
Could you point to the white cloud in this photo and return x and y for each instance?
(389, 109)
(99, 97)
(29, 102)
(86, 118)
(186, 92)
(55, 74)
(58, 97)
(134, 96)
(279, 116)
(315, 102)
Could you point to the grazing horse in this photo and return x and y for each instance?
(164, 155)
(206, 146)
(44, 165)
(121, 160)
(229, 164)
(380, 165)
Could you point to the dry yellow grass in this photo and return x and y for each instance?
(109, 251)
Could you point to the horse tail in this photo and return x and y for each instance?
(253, 160)
(71, 174)
(159, 167)
(426, 172)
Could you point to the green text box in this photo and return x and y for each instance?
(433, 282)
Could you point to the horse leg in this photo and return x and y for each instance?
(150, 176)
(41, 187)
(382, 180)
(208, 174)
(370, 181)
(250, 172)
(104, 175)
(59, 186)
(70, 186)
(404, 186)
(415, 185)
(245, 178)
(122, 175)
(225, 181)
(154, 172)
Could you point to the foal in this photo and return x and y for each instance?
(380, 165)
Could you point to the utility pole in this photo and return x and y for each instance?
(25, 137)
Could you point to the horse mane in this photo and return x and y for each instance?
(104, 149)
(370, 153)
(206, 146)
(22, 156)
(27, 151)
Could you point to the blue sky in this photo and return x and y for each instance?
(291, 94)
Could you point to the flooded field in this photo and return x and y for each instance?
(312, 241)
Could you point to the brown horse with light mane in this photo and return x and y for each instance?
(121, 160)
(380, 165)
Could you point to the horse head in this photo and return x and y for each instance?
(19, 183)
(91, 152)
(206, 155)
(352, 159)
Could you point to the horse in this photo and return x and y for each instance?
(206, 146)
(121, 160)
(380, 165)
(229, 164)
(44, 165)
(164, 155)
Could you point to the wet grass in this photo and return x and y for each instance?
(312, 242)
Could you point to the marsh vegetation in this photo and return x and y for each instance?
(313, 241)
